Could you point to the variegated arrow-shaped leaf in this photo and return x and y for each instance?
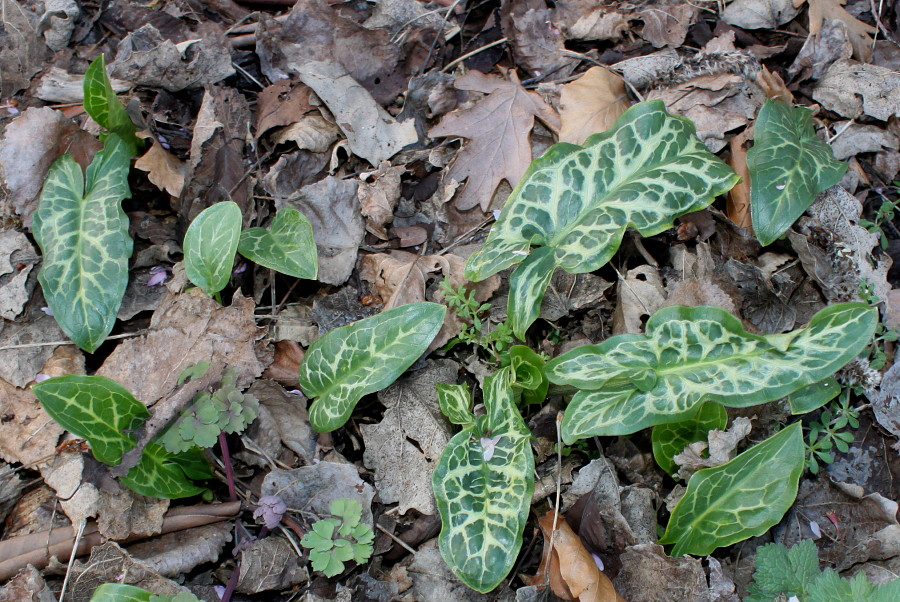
(162, 474)
(101, 103)
(740, 499)
(210, 244)
(94, 408)
(456, 403)
(695, 354)
(483, 485)
(576, 202)
(788, 167)
(83, 234)
(669, 440)
(287, 246)
(364, 357)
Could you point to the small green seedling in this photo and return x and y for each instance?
(474, 330)
(119, 592)
(828, 432)
(781, 573)
(334, 541)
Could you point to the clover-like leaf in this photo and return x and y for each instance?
(101, 103)
(349, 511)
(575, 202)
(740, 499)
(670, 439)
(364, 357)
(162, 474)
(788, 167)
(695, 354)
(94, 408)
(456, 403)
(484, 497)
(287, 246)
(83, 234)
(210, 244)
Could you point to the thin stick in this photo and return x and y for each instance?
(469, 55)
(81, 527)
(127, 335)
(396, 539)
(559, 417)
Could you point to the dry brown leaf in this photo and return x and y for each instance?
(27, 433)
(666, 24)
(819, 10)
(163, 169)
(310, 132)
(497, 128)
(573, 572)
(774, 86)
(286, 365)
(720, 448)
(640, 294)
(537, 43)
(281, 104)
(591, 104)
(738, 198)
(378, 193)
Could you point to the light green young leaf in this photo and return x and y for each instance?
(740, 499)
(779, 571)
(364, 357)
(94, 408)
(119, 592)
(814, 396)
(528, 379)
(83, 234)
(101, 103)
(483, 485)
(161, 474)
(669, 440)
(210, 244)
(788, 167)
(350, 512)
(287, 246)
(695, 354)
(575, 202)
(456, 403)
(829, 587)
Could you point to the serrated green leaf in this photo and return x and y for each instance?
(484, 496)
(160, 473)
(287, 246)
(210, 244)
(814, 396)
(94, 408)
(669, 440)
(83, 234)
(779, 571)
(119, 592)
(364, 357)
(788, 167)
(456, 403)
(829, 587)
(101, 103)
(696, 354)
(740, 499)
(577, 202)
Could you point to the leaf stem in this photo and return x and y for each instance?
(229, 470)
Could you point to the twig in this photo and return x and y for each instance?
(127, 335)
(396, 539)
(469, 55)
(78, 536)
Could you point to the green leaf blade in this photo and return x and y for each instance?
(210, 244)
(740, 499)
(119, 592)
(287, 246)
(456, 403)
(645, 171)
(696, 354)
(484, 496)
(102, 104)
(83, 234)
(670, 439)
(788, 167)
(162, 474)
(94, 408)
(364, 357)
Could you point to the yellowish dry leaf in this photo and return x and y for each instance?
(819, 10)
(591, 104)
(164, 170)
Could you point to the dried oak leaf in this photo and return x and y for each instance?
(819, 10)
(591, 104)
(497, 128)
(573, 572)
(378, 192)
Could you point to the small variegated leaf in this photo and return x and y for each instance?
(576, 202)
(364, 357)
(456, 403)
(788, 167)
(94, 408)
(287, 246)
(210, 244)
(101, 103)
(83, 234)
(161, 474)
(740, 499)
(669, 440)
(695, 354)
(483, 485)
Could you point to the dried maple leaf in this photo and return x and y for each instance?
(497, 128)
(591, 104)
(819, 10)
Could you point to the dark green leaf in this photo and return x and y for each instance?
(670, 439)
(161, 474)
(101, 103)
(814, 396)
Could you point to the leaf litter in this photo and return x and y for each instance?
(396, 127)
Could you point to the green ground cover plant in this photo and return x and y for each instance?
(119, 592)
(334, 541)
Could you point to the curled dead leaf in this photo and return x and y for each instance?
(738, 198)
